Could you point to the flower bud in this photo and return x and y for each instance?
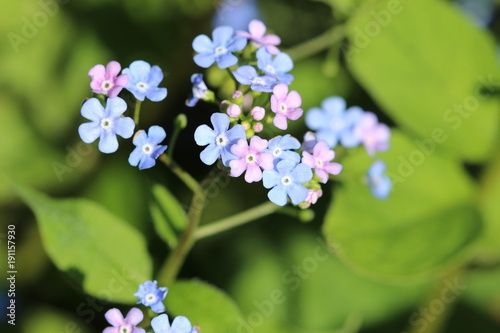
(234, 110)
(224, 105)
(258, 127)
(258, 113)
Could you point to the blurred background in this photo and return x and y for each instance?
(46, 52)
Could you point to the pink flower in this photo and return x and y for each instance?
(374, 135)
(124, 325)
(257, 30)
(250, 158)
(233, 110)
(320, 159)
(312, 197)
(285, 106)
(105, 80)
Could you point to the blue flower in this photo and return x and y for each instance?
(481, 12)
(333, 123)
(286, 181)
(180, 324)
(219, 139)
(276, 67)
(280, 148)
(106, 123)
(148, 147)
(380, 184)
(150, 295)
(199, 89)
(144, 80)
(248, 75)
(219, 50)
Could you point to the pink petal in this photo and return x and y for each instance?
(257, 28)
(382, 132)
(265, 161)
(307, 159)
(333, 168)
(280, 91)
(114, 317)
(111, 330)
(280, 121)
(271, 39)
(244, 34)
(134, 316)
(369, 120)
(253, 174)
(275, 104)
(258, 144)
(121, 80)
(322, 175)
(113, 92)
(273, 49)
(322, 152)
(294, 114)
(237, 167)
(97, 72)
(240, 149)
(113, 68)
(293, 100)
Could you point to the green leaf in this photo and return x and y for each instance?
(48, 319)
(204, 305)
(423, 228)
(84, 239)
(167, 213)
(429, 76)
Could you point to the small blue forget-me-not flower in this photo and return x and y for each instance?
(180, 324)
(248, 75)
(281, 146)
(148, 147)
(380, 184)
(150, 295)
(144, 80)
(276, 67)
(199, 89)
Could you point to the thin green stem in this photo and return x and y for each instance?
(317, 44)
(236, 220)
(180, 124)
(137, 111)
(190, 182)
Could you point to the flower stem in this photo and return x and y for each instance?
(137, 111)
(180, 124)
(317, 44)
(190, 182)
(236, 220)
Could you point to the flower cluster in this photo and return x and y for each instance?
(243, 135)
(152, 296)
(106, 110)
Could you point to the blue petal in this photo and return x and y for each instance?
(191, 102)
(157, 307)
(134, 159)
(245, 74)
(148, 162)
(270, 178)
(238, 43)
(156, 135)
(289, 142)
(155, 76)
(382, 188)
(140, 139)
(328, 136)
(235, 133)
(115, 107)
(124, 127)
(302, 173)
(108, 143)
(181, 325)
(159, 150)
(93, 110)
(285, 78)
(222, 35)
(227, 156)
(290, 155)
(284, 167)
(283, 63)
(264, 58)
(161, 324)
(156, 94)
(196, 78)
(315, 119)
(210, 154)
(278, 195)
(226, 60)
(349, 140)
(376, 169)
(204, 60)
(139, 70)
(220, 121)
(203, 44)
(89, 132)
(333, 105)
(204, 135)
(297, 193)
(136, 92)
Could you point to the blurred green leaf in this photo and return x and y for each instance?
(204, 305)
(51, 320)
(423, 228)
(167, 213)
(483, 291)
(429, 76)
(83, 238)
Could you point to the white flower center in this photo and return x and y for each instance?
(251, 158)
(107, 85)
(283, 107)
(221, 140)
(277, 152)
(286, 181)
(270, 69)
(142, 86)
(106, 123)
(150, 298)
(125, 329)
(258, 80)
(318, 162)
(147, 149)
(220, 50)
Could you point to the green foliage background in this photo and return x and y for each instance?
(421, 65)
